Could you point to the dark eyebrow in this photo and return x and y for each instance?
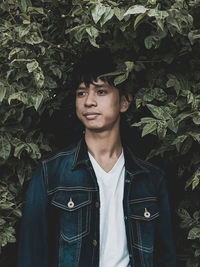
(99, 85)
(81, 88)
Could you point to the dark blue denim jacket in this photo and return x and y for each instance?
(60, 225)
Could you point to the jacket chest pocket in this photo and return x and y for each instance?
(74, 212)
(144, 215)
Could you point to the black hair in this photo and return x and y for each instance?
(91, 66)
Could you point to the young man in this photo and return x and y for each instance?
(94, 203)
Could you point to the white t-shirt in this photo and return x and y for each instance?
(113, 242)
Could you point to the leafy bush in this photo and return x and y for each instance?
(156, 47)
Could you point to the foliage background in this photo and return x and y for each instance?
(160, 43)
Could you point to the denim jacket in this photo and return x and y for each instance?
(60, 225)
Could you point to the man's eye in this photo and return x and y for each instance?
(80, 93)
(101, 92)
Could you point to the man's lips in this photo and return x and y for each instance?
(91, 115)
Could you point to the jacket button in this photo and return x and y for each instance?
(125, 218)
(147, 214)
(94, 242)
(70, 204)
(96, 204)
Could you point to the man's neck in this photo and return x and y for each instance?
(104, 145)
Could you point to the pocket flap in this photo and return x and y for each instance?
(71, 200)
(146, 211)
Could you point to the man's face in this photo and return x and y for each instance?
(99, 105)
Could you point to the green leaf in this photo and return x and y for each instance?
(197, 252)
(136, 9)
(13, 52)
(36, 10)
(6, 205)
(172, 125)
(195, 135)
(183, 116)
(194, 180)
(24, 5)
(93, 34)
(173, 82)
(20, 96)
(196, 118)
(2, 221)
(186, 146)
(161, 129)
(160, 17)
(32, 66)
(148, 120)
(149, 128)
(138, 20)
(119, 13)
(39, 77)
(129, 66)
(97, 12)
(109, 13)
(24, 31)
(79, 33)
(37, 101)
(2, 92)
(183, 214)
(194, 36)
(34, 152)
(33, 38)
(19, 149)
(17, 212)
(76, 28)
(157, 111)
(152, 41)
(120, 79)
(194, 233)
(5, 148)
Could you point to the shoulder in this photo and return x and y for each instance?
(64, 153)
(151, 167)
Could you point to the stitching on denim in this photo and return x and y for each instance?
(139, 200)
(78, 254)
(144, 249)
(76, 153)
(60, 188)
(136, 172)
(74, 238)
(57, 204)
(79, 232)
(147, 163)
(77, 237)
(64, 153)
(144, 218)
(59, 256)
(60, 205)
(140, 241)
(45, 175)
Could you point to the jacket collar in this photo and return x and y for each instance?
(132, 164)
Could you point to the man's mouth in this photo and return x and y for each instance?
(91, 115)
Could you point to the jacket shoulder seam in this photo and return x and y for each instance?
(59, 154)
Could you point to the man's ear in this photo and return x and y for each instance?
(125, 102)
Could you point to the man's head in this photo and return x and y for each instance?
(98, 102)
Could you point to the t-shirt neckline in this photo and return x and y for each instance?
(119, 161)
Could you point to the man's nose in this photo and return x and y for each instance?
(90, 100)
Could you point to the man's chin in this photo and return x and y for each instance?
(95, 129)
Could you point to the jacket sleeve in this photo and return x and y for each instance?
(33, 245)
(165, 250)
